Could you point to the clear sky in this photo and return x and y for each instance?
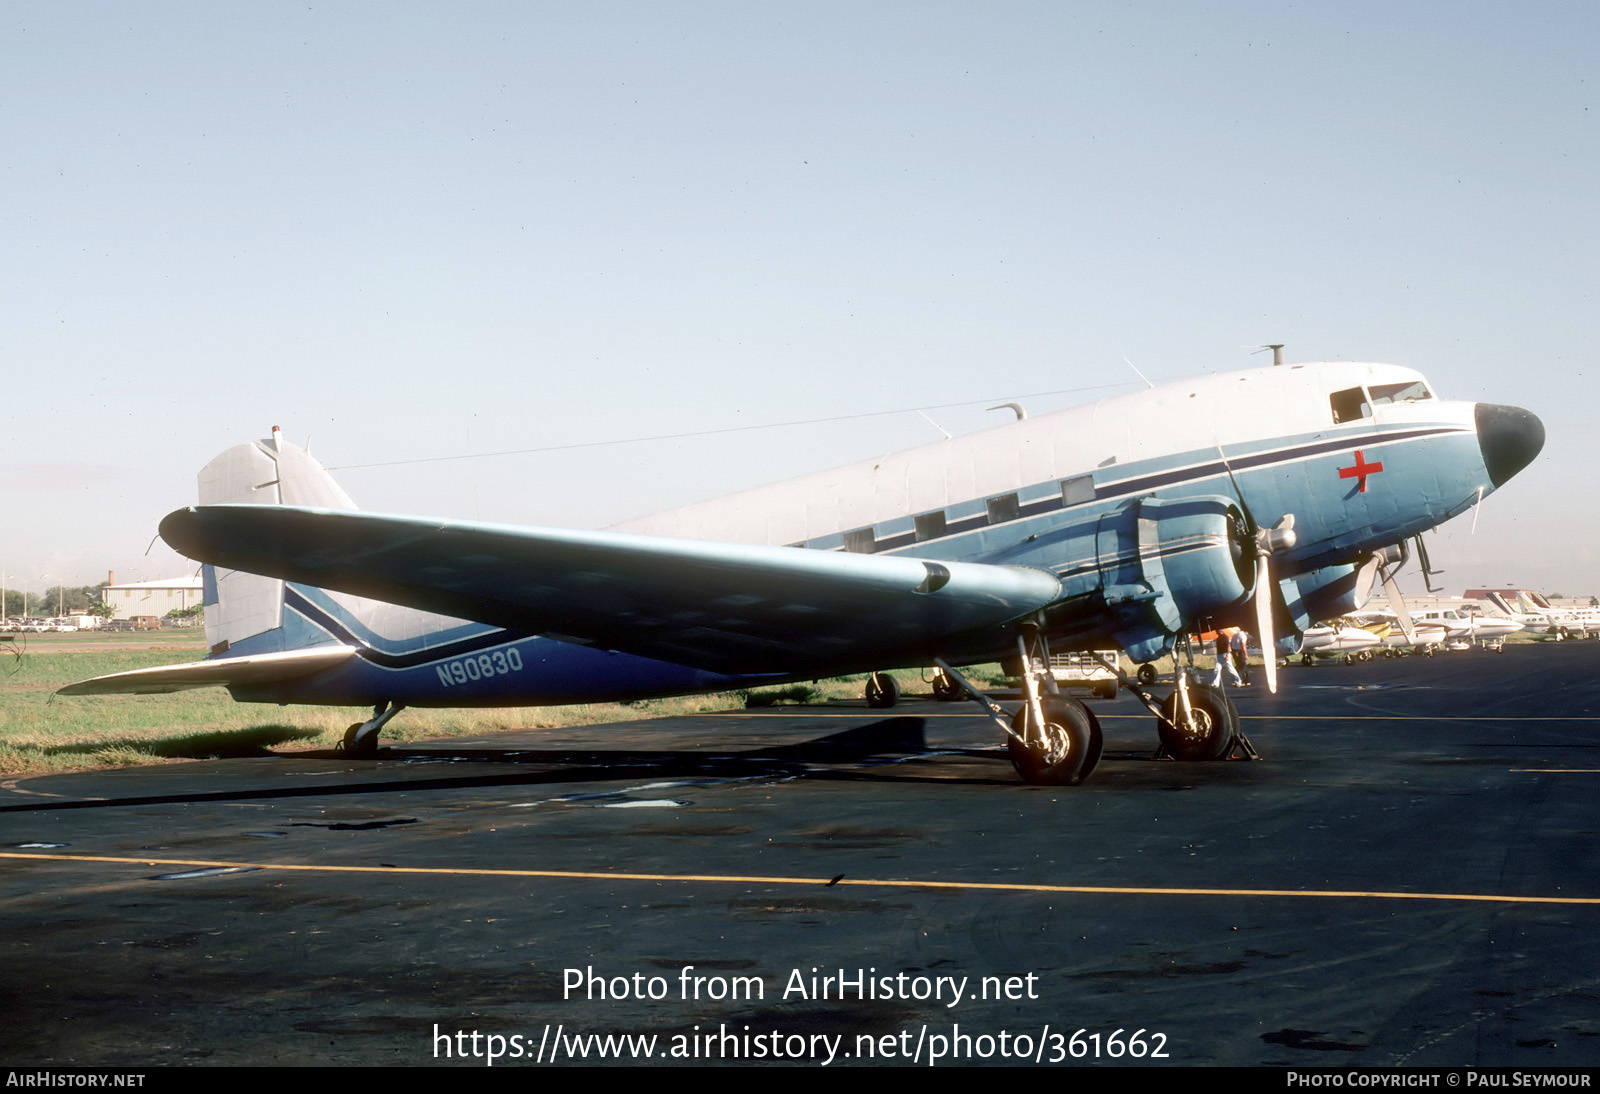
(424, 230)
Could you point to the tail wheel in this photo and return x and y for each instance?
(355, 744)
(1213, 722)
(1062, 752)
(1147, 674)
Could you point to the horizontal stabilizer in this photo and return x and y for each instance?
(717, 606)
(264, 668)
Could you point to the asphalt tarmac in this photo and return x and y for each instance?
(1408, 877)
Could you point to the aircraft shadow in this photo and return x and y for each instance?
(848, 755)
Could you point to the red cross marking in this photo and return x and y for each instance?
(1360, 471)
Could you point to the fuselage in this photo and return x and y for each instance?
(1361, 455)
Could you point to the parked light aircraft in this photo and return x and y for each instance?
(1536, 614)
(1254, 498)
(1340, 638)
(1465, 625)
(1396, 641)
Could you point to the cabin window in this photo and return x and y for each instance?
(1003, 508)
(1077, 490)
(930, 526)
(1349, 405)
(1413, 392)
(860, 542)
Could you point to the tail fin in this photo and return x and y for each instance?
(248, 608)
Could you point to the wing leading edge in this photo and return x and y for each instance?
(723, 607)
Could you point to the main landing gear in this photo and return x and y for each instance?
(361, 739)
(1197, 721)
(1054, 740)
(882, 690)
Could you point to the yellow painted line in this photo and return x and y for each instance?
(758, 879)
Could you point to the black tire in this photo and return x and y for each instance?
(1215, 724)
(945, 689)
(1305, 659)
(1147, 674)
(883, 691)
(356, 746)
(1073, 745)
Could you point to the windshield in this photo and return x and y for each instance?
(1413, 392)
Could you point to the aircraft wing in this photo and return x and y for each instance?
(262, 668)
(723, 607)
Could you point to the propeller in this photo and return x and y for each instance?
(1390, 560)
(1280, 537)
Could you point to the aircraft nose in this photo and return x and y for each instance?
(1509, 438)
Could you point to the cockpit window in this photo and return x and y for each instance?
(1349, 405)
(1413, 392)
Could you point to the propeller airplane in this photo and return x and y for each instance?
(1262, 499)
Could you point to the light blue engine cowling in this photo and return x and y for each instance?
(1142, 573)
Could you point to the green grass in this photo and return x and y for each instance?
(41, 732)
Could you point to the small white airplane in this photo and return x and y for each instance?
(1396, 640)
(1462, 625)
(1340, 638)
(1254, 498)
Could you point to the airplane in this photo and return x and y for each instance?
(1340, 638)
(1420, 637)
(1256, 498)
(1536, 614)
(1468, 626)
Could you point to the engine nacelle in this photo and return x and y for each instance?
(1146, 571)
(1328, 593)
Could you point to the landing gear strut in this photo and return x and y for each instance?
(1063, 750)
(1209, 731)
(1052, 740)
(361, 739)
(1196, 722)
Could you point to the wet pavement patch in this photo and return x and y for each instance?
(1309, 1039)
(350, 826)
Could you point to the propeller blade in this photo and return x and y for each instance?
(1263, 598)
(1398, 603)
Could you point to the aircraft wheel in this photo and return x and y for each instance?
(1349, 660)
(1305, 659)
(1429, 651)
(945, 689)
(355, 745)
(883, 690)
(1210, 737)
(1067, 749)
(1147, 674)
